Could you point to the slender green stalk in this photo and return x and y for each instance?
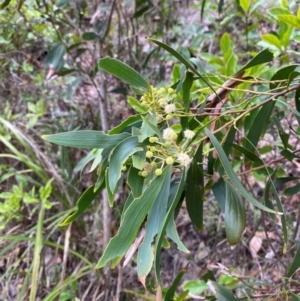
(37, 253)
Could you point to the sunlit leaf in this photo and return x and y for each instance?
(245, 5)
(272, 40)
(290, 19)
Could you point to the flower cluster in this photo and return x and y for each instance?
(161, 101)
(171, 147)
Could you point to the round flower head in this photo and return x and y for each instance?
(170, 108)
(162, 102)
(170, 91)
(184, 159)
(169, 160)
(168, 134)
(189, 134)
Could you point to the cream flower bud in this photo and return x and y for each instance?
(184, 159)
(163, 102)
(168, 134)
(170, 108)
(189, 134)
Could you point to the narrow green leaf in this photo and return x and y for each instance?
(118, 156)
(84, 201)
(102, 168)
(282, 217)
(123, 72)
(86, 139)
(181, 59)
(170, 294)
(263, 57)
(171, 232)
(235, 217)
(283, 135)
(288, 154)
(202, 9)
(282, 76)
(232, 176)
(126, 124)
(248, 154)
(194, 193)
(169, 215)
(267, 198)
(139, 159)
(219, 191)
(279, 182)
(290, 191)
(110, 194)
(294, 296)
(297, 104)
(198, 64)
(295, 112)
(133, 219)
(186, 90)
(221, 293)
(154, 221)
(259, 126)
(135, 182)
(295, 264)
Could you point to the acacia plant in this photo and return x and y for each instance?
(171, 150)
(181, 145)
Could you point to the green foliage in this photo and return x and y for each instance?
(198, 134)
